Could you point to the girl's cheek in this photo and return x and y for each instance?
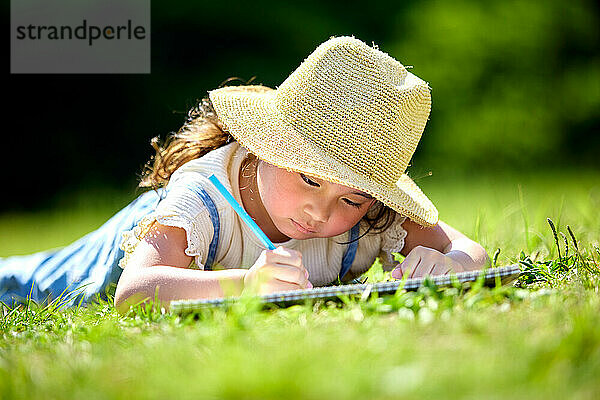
(344, 220)
(280, 199)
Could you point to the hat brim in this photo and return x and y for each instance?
(249, 113)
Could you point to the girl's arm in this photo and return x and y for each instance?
(158, 269)
(438, 250)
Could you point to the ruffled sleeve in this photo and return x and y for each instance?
(392, 241)
(181, 208)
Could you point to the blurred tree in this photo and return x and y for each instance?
(514, 83)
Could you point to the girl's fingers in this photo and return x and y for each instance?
(411, 268)
(418, 266)
(416, 271)
(285, 273)
(283, 278)
(431, 270)
(284, 256)
(277, 270)
(275, 286)
(281, 286)
(423, 261)
(440, 270)
(406, 266)
(435, 270)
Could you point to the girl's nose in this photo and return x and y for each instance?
(318, 212)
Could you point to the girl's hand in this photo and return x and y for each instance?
(423, 261)
(277, 270)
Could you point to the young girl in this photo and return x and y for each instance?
(319, 163)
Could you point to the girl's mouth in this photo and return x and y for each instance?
(302, 228)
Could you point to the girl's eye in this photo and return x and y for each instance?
(308, 181)
(313, 183)
(351, 203)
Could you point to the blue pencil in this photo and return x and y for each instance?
(242, 213)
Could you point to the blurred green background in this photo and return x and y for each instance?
(515, 86)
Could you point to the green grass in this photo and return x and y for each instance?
(538, 339)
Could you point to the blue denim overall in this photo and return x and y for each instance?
(91, 263)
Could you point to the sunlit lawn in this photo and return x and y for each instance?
(538, 342)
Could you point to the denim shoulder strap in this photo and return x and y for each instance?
(214, 217)
(350, 252)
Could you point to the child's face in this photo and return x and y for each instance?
(304, 207)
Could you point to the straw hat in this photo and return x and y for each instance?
(349, 114)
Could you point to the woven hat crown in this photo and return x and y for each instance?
(359, 105)
(349, 114)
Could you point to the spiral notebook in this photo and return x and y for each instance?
(505, 274)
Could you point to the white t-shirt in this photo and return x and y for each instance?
(238, 247)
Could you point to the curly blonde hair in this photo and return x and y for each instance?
(201, 133)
